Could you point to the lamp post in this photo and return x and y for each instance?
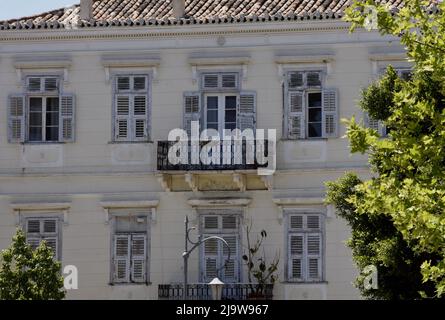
(187, 252)
(216, 286)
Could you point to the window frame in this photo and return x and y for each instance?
(131, 93)
(305, 232)
(220, 213)
(221, 109)
(130, 213)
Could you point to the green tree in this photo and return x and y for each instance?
(29, 275)
(409, 184)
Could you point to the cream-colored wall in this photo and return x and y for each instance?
(92, 169)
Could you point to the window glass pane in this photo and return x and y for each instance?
(35, 104)
(52, 119)
(212, 102)
(212, 116)
(35, 119)
(230, 112)
(230, 116)
(52, 104)
(315, 130)
(52, 133)
(315, 115)
(231, 102)
(314, 100)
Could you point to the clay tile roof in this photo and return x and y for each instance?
(115, 13)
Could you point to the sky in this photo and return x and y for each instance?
(10, 9)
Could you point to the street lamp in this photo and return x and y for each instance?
(216, 286)
(186, 255)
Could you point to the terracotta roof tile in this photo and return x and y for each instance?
(108, 13)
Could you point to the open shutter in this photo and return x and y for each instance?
(122, 258)
(140, 112)
(67, 117)
(138, 258)
(16, 121)
(296, 115)
(375, 124)
(330, 113)
(122, 112)
(192, 109)
(314, 256)
(296, 245)
(246, 117)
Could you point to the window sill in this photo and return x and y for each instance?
(304, 283)
(129, 284)
(308, 139)
(42, 142)
(131, 142)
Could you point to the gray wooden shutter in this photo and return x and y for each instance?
(231, 266)
(246, 117)
(140, 112)
(313, 256)
(192, 109)
(122, 117)
(296, 252)
(67, 118)
(211, 253)
(122, 258)
(16, 119)
(210, 81)
(330, 113)
(296, 115)
(138, 258)
(375, 124)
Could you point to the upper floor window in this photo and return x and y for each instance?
(44, 229)
(131, 108)
(305, 249)
(130, 248)
(215, 255)
(43, 113)
(220, 104)
(311, 111)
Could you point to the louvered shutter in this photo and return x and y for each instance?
(34, 84)
(296, 115)
(67, 118)
(138, 258)
(295, 79)
(122, 258)
(34, 242)
(51, 242)
(50, 84)
(211, 258)
(192, 109)
(229, 81)
(313, 79)
(140, 110)
(375, 124)
(210, 81)
(296, 252)
(33, 233)
(16, 121)
(330, 113)
(313, 256)
(246, 111)
(231, 269)
(122, 112)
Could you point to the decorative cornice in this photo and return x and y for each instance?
(304, 59)
(40, 206)
(220, 202)
(129, 204)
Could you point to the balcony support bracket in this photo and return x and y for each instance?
(192, 181)
(240, 181)
(165, 181)
(268, 182)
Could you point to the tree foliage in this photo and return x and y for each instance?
(29, 275)
(409, 165)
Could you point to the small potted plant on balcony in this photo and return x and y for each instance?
(261, 274)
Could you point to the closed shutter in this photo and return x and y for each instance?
(211, 258)
(16, 119)
(51, 84)
(140, 111)
(138, 258)
(122, 128)
(67, 118)
(314, 256)
(246, 117)
(330, 113)
(229, 81)
(34, 84)
(295, 80)
(296, 251)
(192, 109)
(122, 258)
(51, 242)
(210, 81)
(296, 115)
(230, 270)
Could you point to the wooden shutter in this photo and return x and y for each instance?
(211, 258)
(246, 117)
(122, 258)
(296, 252)
(140, 112)
(229, 81)
(140, 83)
(16, 119)
(210, 81)
(211, 222)
(330, 113)
(51, 242)
(123, 83)
(50, 84)
(231, 264)
(296, 115)
(313, 79)
(122, 114)
(295, 79)
(192, 109)
(138, 258)
(67, 118)
(34, 84)
(313, 256)
(375, 124)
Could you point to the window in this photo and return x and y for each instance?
(310, 110)
(131, 108)
(305, 247)
(39, 229)
(130, 249)
(215, 254)
(220, 104)
(42, 114)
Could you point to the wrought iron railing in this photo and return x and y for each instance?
(230, 155)
(202, 291)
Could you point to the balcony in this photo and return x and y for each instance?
(229, 155)
(202, 291)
